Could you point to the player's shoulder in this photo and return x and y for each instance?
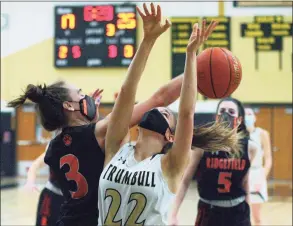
(51, 151)
(263, 132)
(126, 149)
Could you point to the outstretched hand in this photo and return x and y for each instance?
(199, 36)
(97, 96)
(152, 22)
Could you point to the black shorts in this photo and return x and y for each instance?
(83, 221)
(209, 215)
(48, 208)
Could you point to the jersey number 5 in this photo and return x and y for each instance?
(73, 174)
(224, 179)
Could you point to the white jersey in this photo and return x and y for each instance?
(257, 178)
(255, 136)
(132, 192)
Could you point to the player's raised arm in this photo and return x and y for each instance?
(163, 97)
(178, 155)
(120, 118)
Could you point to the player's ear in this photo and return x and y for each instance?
(239, 120)
(169, 136)
(68, 106)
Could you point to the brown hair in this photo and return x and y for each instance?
(217, 136)
(49, 103)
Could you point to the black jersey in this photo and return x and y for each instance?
(53, 179)
(220, 177)
(77, 161)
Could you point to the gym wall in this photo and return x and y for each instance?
(27, 57)
(27, 54)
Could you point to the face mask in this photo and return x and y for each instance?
(225, 117)
(153, 120)
(87, 107)
(249, 121)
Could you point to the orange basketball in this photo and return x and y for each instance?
(219, 73)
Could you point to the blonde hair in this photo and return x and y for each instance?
(218, 136)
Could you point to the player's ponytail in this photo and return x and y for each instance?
(33, 93)
(49, 103)
(213, 136)
(217, 136)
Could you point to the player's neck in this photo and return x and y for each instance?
(146, 146)
(251, 129)
(77, 122)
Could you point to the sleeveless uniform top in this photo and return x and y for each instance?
(53, 180)
(258, 159)
(76, 160)
(132, 192)
(52, 184)
(220, 177)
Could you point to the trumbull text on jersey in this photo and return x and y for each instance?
(121, 176)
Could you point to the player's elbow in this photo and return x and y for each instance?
(268, 162)
(160, 97)
(186, 180)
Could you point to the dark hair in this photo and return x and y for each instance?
(241, 128)
(49, 103)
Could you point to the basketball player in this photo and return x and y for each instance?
(222, 180)
(259, 171)
(138, 183)
(77, 155)
(51, 196)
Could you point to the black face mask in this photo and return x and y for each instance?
(87, 107)
(153, 120)
(226, 117)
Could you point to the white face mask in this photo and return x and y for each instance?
(249, 120)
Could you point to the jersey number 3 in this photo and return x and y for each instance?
(74, 175)
(224, 179)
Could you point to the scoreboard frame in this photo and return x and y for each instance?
(268, 33)
(181, 30)
(110, 28)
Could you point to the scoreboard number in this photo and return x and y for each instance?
(95, 35)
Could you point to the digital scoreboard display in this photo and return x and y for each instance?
(95, 35)
(268, 33)
(181, 31)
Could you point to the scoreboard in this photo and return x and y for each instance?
(268, 33)
(181, 30)
(95, 35)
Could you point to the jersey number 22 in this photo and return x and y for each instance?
(140, 200)
(74, 175)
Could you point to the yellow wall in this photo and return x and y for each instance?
(35, 65)
(268, 84)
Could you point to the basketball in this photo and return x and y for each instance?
(219, 73)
